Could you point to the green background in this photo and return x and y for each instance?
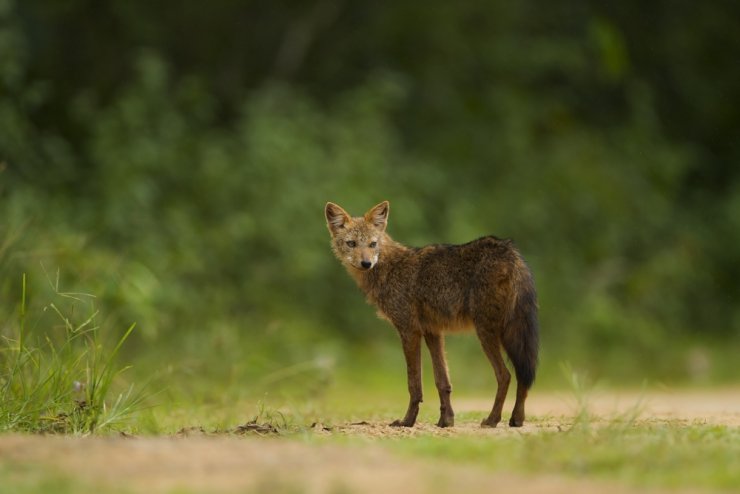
(174, 159)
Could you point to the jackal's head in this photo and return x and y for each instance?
(357, 241)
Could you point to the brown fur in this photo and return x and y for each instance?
(425, 292)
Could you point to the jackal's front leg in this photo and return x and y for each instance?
(436, 345)
(412, 351)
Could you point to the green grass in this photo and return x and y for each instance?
(22, 478)
(666, 455)
(57, 372)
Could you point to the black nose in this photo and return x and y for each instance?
(366, 264)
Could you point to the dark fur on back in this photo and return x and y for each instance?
(445, 288)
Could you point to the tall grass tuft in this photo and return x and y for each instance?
(57, 373)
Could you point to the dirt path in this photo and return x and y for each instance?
(715, 406)
(556, 411)
(252, 464)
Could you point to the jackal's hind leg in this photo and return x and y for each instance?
(517, 415)
(492, 347)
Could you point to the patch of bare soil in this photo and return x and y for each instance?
(557, 411)
(382, 430)
(713, 406)
(248, 461)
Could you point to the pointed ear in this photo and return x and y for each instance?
(336, 217)
(378, 215)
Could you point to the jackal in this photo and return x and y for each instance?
(425, 292)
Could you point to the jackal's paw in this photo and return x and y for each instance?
(490, 422)
(446, 422)
(401, 423)
(516, 422)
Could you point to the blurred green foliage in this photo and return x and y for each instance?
(175, 162)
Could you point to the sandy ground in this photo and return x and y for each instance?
(228, 463)
(556, 411)
(716, 406)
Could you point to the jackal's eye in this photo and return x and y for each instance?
(373, 244)
(351, 243)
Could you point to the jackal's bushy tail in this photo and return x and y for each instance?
(521, 334)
